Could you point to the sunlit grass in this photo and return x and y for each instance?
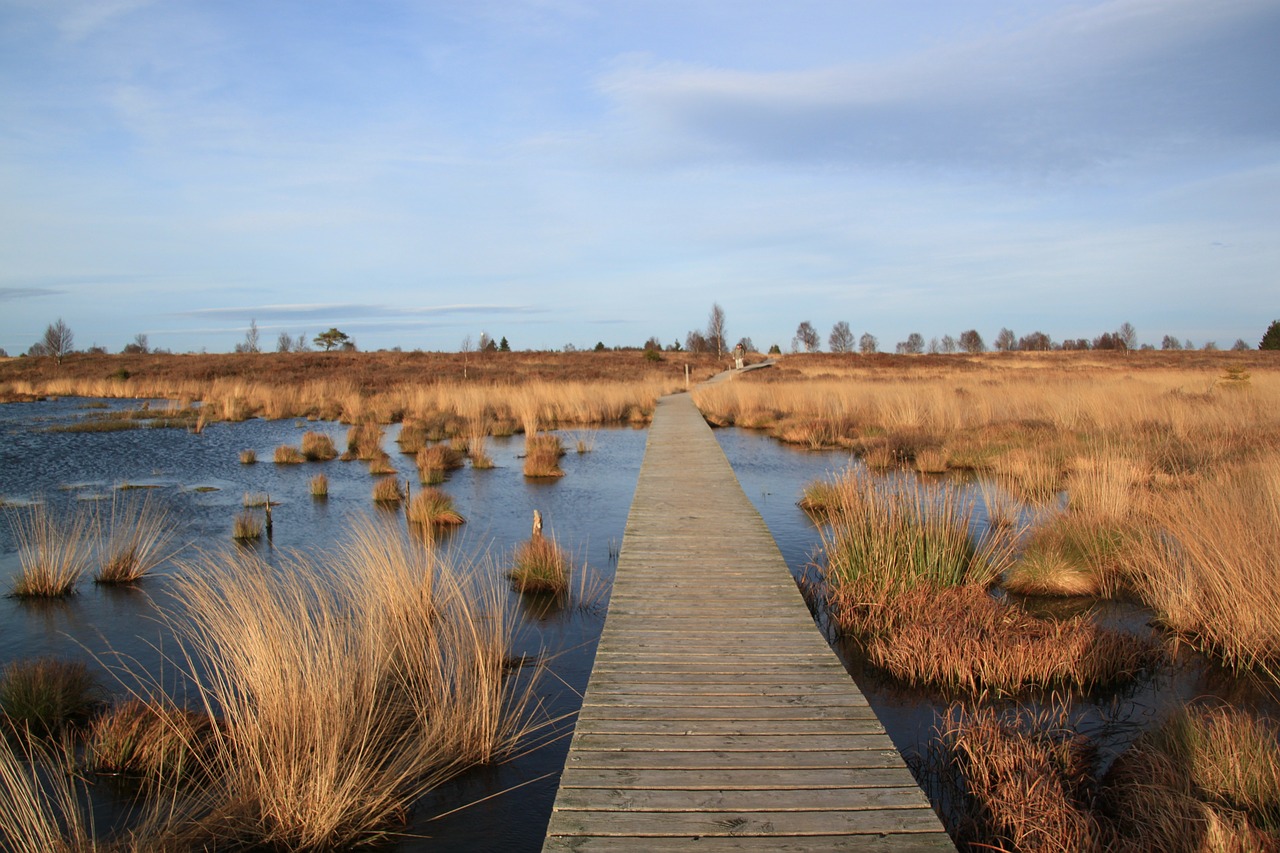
(54, 553)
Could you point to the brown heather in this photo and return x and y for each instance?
(567, 389)
(1203, 781)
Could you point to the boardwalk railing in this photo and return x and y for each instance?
(716, 716)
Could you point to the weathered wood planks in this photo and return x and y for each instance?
(716, 716)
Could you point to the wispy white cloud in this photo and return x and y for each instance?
(8, 294)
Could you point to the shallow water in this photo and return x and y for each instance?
(199, 478)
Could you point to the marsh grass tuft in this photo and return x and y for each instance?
(364, 441)
(46, 695)
(287, 454)
(154, 740)
(138, 538)
(248, 457)
(435, 460)
(387, 491)
(542, 452)
(347, 686)
(54, 553)
(541, 566)
(480, 459)
(247, 525)
(319, 485)
(434, 508)
(1071, 554)
(318, 447)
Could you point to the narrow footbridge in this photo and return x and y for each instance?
(717, 717)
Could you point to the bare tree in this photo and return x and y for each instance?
(300, 343)
(251, 342)
(1006, 340)
(913, 345)
(57, 340)
(715, 330)
(841, 339)
(284, 343)
(867, 344)
(1129, 336)
(972, 342)
(807, 337)
(138, 346)
(948, 344)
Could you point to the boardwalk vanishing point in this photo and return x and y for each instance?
(716, 716)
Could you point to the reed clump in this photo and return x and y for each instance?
(540, 565)
(542, 452)
(248, 457)
(44, 696)
(381, 464)
(287, 454)
(346, 687)
(54, 553)
(318, 447)
(434, 508)
(319, 486)
(139, 537)
(476, 450)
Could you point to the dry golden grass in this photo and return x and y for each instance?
(435, 460)
(288, 455)
(319, 485)
(346, 686)
(1207, 559)
(1027, 782)
(54, 553)
(42, 806)
(364, 441)
(248, 457)
(139, 537)
(1072, 554)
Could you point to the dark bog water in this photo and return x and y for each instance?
(201, 481)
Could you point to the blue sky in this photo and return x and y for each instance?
(569, 171)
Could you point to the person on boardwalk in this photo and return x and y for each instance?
(738, 353)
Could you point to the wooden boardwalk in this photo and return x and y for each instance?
(716, 716)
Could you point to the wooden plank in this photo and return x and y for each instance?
(716, 716)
